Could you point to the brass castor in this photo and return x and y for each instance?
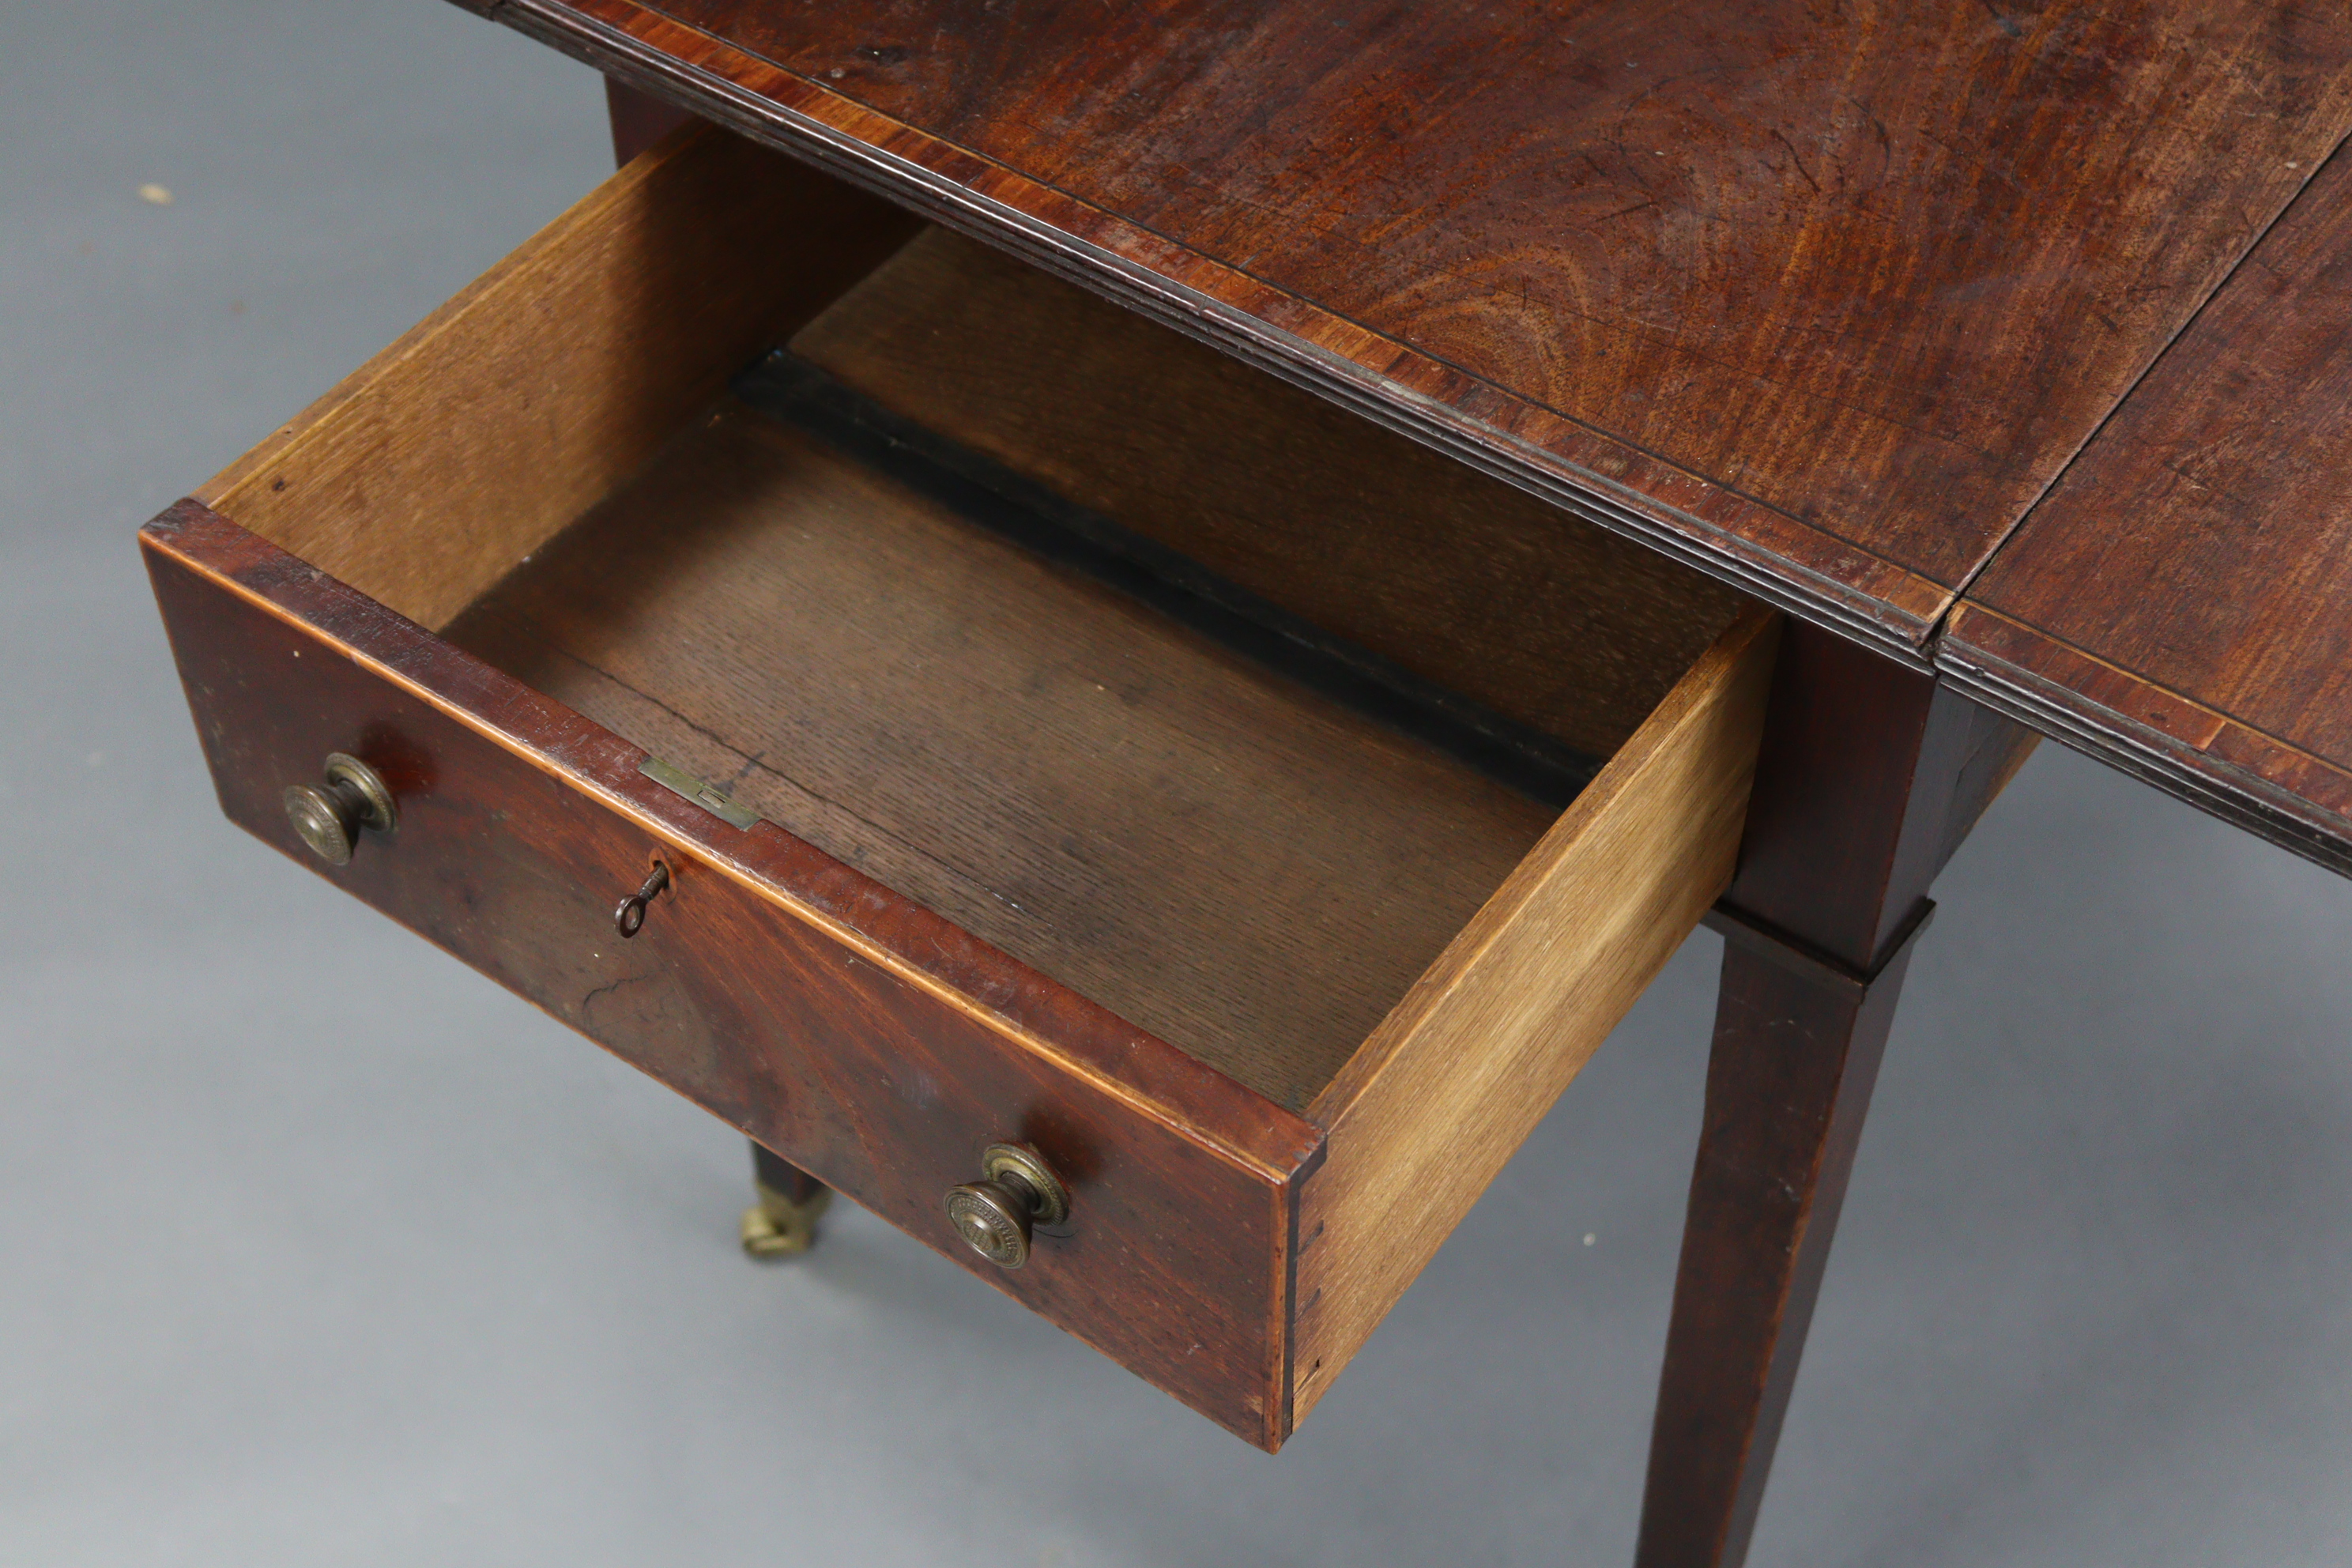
(782, 1224)
(776, 1226)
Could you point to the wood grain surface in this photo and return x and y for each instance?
(1788, 1089)
(878, 1045)
(448, 458)
(1214, 853)
(1425, 1117)
(1132, 899)
(1825, 297)
(872, 1043)
(2183, 600)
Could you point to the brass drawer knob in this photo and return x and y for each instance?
(328, 818)
(1016, 1190)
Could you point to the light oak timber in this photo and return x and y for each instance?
(429, 471)
(1425, 1117)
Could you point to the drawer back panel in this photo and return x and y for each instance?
(1451, 574)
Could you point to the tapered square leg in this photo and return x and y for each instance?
(1797, 1048)
(1870, 776)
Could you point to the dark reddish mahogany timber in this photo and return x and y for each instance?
(1820, 301)
(872, 1043)
(2181, 603)
(1869, 777)
(1796, 1055)
(1822, 297)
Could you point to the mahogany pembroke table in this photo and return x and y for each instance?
(1125, 631)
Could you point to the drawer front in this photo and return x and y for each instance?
(771, 985)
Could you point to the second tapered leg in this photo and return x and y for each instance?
(781, 1222)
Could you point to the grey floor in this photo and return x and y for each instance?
(315, 1248)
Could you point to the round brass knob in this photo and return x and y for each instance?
(328, 818)
(1016, 1192)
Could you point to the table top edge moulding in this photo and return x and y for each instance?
(2189, 752)
(1779, 558)
(2180, 603)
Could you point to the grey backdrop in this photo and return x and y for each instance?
(317, 1248)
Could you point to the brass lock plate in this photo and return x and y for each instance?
(710, 797)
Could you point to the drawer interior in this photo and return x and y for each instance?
(1218, 704)
(886, 627)
(1222, 856)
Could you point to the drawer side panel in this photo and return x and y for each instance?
(433, 468)
(1447, 1089)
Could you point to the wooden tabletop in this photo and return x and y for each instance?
(2010, 341)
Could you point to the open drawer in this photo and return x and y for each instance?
(1051, 732)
